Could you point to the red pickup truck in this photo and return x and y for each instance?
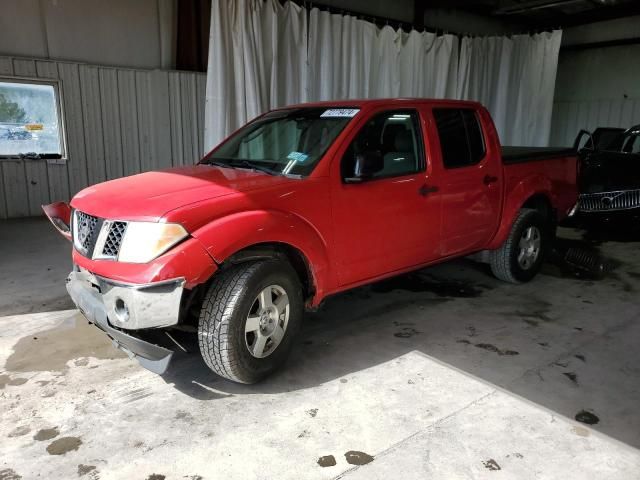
(301, 203)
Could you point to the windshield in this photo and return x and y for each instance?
(284, 142)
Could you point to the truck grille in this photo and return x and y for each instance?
(610, 201)
(97, 238)
(84, 231)
(114, 239)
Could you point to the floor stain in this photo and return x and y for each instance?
(85, 469)
(635, 275)
(19, 431)
(587, 417)
(64, 445)
(492, 348)
(14, 382)
(355, 457)
(327, 461)
(313, 412)
(156, 476)
(72, 339)
(491, 464)
(9, 474)
(184, 415)
(534, 317)
(46, 434)
(571, 376)
(581, 431)
(580, 357)
(406, 332)
(414, 282)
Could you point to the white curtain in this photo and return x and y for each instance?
(257, 61)
(352, 58)
(515, 79)
(263, 55)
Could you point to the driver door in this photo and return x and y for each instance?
(391, 220)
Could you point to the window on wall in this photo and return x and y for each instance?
(460, 135)
(30, 120)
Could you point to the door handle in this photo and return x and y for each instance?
(488, 179)
(425, 190)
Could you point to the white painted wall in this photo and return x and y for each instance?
(126, 33)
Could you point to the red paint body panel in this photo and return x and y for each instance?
(188, 260)
(350, 234)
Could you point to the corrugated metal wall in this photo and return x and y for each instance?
(118, 122)
(569, 117)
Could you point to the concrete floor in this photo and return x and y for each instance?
(443, 374)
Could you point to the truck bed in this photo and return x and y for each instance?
(531, 154)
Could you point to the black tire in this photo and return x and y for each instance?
(504, 261)
(221, 327)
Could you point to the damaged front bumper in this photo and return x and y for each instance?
(120, 309)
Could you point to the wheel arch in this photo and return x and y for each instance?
(263, 234)
(525, 196)
(279, 250)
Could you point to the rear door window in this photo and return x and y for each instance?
(461, 138)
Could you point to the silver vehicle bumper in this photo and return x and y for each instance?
(112, 306)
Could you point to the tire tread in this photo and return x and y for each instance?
(502, 257)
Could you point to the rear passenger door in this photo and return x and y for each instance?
(470, 180)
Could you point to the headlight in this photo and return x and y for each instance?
(144, 241)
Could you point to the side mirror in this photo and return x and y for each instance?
(367, 164)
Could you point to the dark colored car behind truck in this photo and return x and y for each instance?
(609, 180)
(304, 202)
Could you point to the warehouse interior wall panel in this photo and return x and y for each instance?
(596, 87)
(122, 33)
(118, 121)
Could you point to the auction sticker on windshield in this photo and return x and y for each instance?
(340, 112)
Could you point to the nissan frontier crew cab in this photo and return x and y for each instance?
(301, 203)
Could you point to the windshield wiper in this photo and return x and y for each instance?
(253, 166)
(219, 164)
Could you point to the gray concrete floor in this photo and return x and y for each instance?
(443, 374)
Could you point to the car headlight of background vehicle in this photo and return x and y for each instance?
(144, 241)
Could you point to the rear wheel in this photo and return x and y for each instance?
(249, 318)
(520, 257)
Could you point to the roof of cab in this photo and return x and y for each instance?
(374, 102)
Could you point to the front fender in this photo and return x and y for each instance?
(227, 235)
(516, 197)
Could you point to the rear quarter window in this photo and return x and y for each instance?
(461, 139)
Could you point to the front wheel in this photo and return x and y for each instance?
(520, 257)
(249, 319)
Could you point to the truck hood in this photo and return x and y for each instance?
(149, 196)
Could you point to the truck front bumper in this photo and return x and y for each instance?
(120, 309)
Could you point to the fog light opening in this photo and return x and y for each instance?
(121, 310)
